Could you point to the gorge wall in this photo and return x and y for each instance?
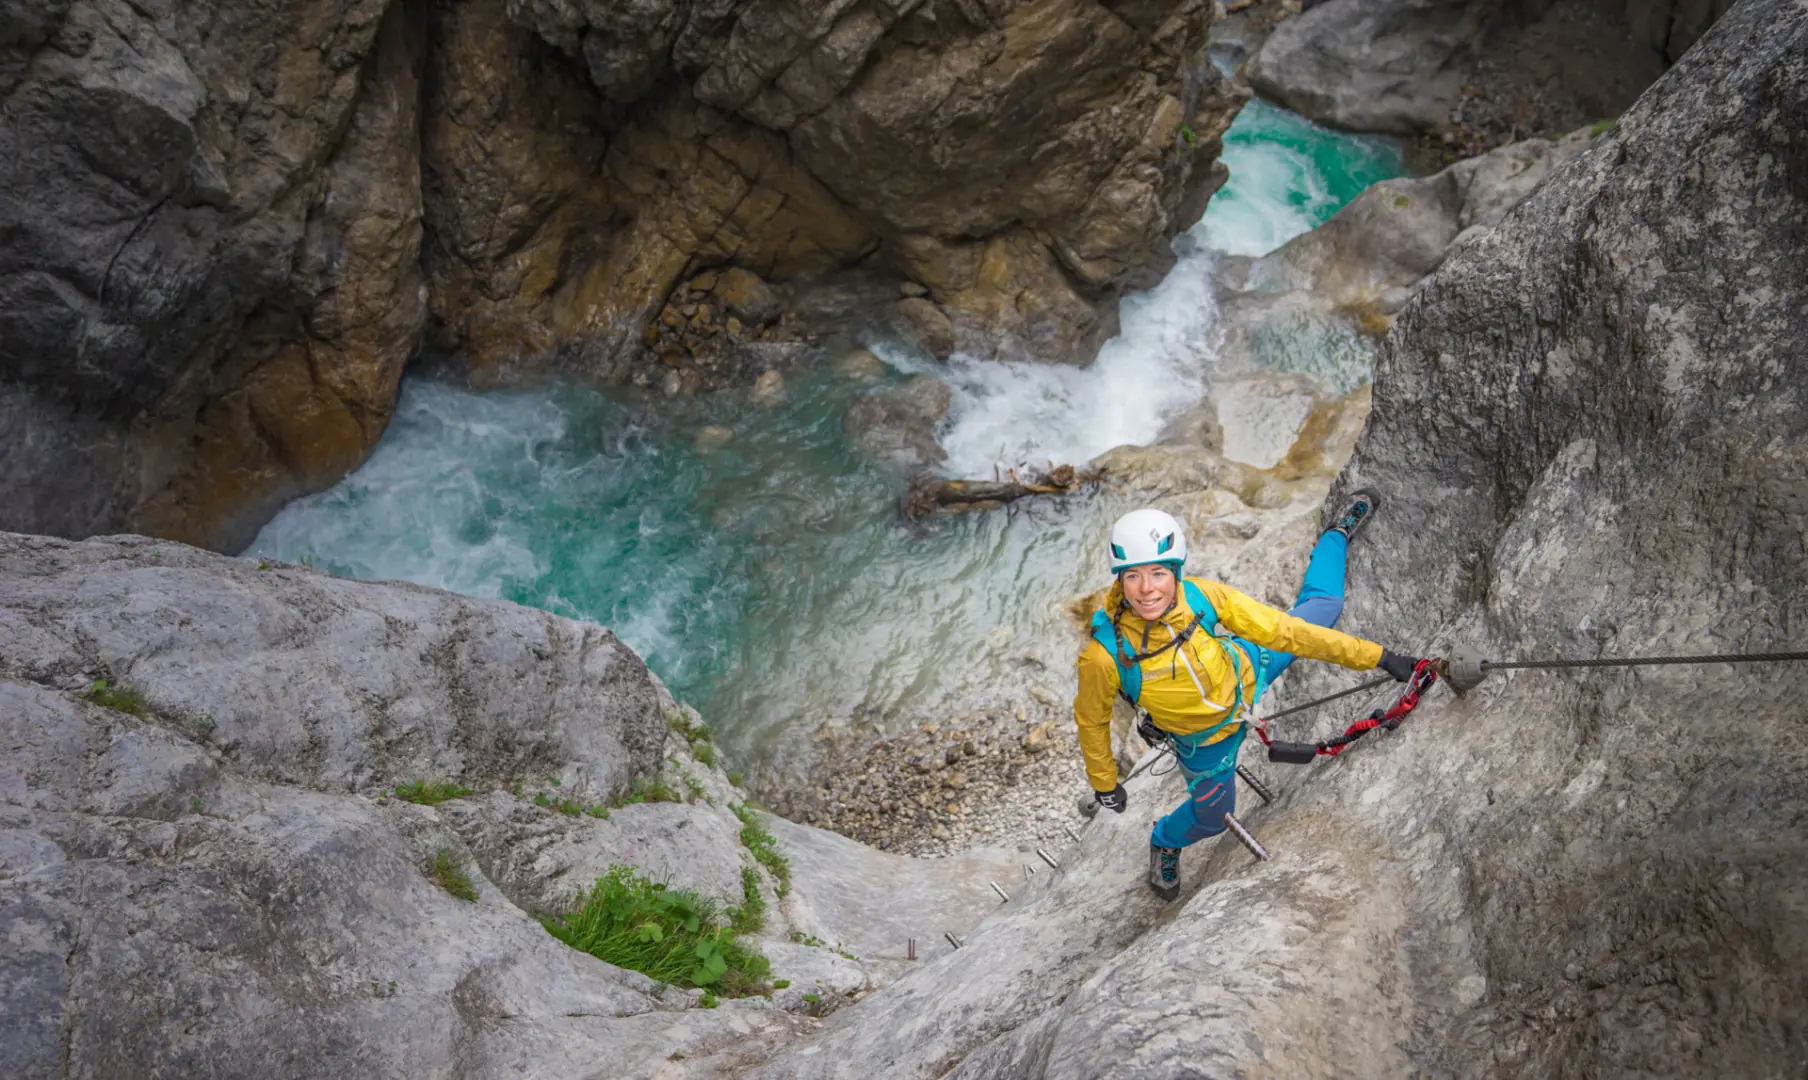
(1590, 432)
(227, 228)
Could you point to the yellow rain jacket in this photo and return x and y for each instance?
(1173, 680)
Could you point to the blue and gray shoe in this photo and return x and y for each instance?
(1358, 508)
(1164, 871)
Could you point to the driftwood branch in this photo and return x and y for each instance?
(928, 495)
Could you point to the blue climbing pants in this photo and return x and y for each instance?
(1211, 770)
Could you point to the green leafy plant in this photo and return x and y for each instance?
(1601, 126)
(1187, 136)
(672, 935)
(763, 847)
(116, 696)
(429, 792)
(194, 804)
(203, 724)
(808, 939)
(449, 874)
(780, 984)
(380, 989)
(735, 776)
(709, 1000)
(812, 998)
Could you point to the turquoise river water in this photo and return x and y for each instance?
(768, 580)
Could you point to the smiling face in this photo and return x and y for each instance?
(1149, 589)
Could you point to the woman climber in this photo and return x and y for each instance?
(1156, 643)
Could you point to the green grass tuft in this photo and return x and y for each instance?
(780, 984)
(672, 935)
(763, 846)
(116, 696)
(449, 874)
(1600, 127)
(648, 789)
(698, 735)
(429, 792)
(750, 917)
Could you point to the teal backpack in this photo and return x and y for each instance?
(1129, 665)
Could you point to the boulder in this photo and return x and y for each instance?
(896, 427)
(1499, 68)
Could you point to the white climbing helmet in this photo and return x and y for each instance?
(1147, 536)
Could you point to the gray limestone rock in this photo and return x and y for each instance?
(1370, 66)
(299, 677)
(211, 877)
(1387, 241)
(896, 427)
(1411, 67)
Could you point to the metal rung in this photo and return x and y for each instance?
(1071, 835)
(1049, 859)
(1255, 785)
(1002, 895)
(952, 940)
(1236, 828)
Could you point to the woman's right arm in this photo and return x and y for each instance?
(1092, 714)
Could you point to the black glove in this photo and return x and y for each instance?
(1400, 667)
(1115, 799)
(1151, 734)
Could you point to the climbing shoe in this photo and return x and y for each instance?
(1358, 508)
(1164, 871)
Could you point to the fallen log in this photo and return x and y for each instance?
(928, 495)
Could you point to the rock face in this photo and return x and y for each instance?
(401, 681)
(211, 876)
(227, 229)
(1406, 66)
(1590, 438)
(1374, 252)
(209, 282)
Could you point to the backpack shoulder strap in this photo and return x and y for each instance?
(1129, 676)
(1202, 608)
